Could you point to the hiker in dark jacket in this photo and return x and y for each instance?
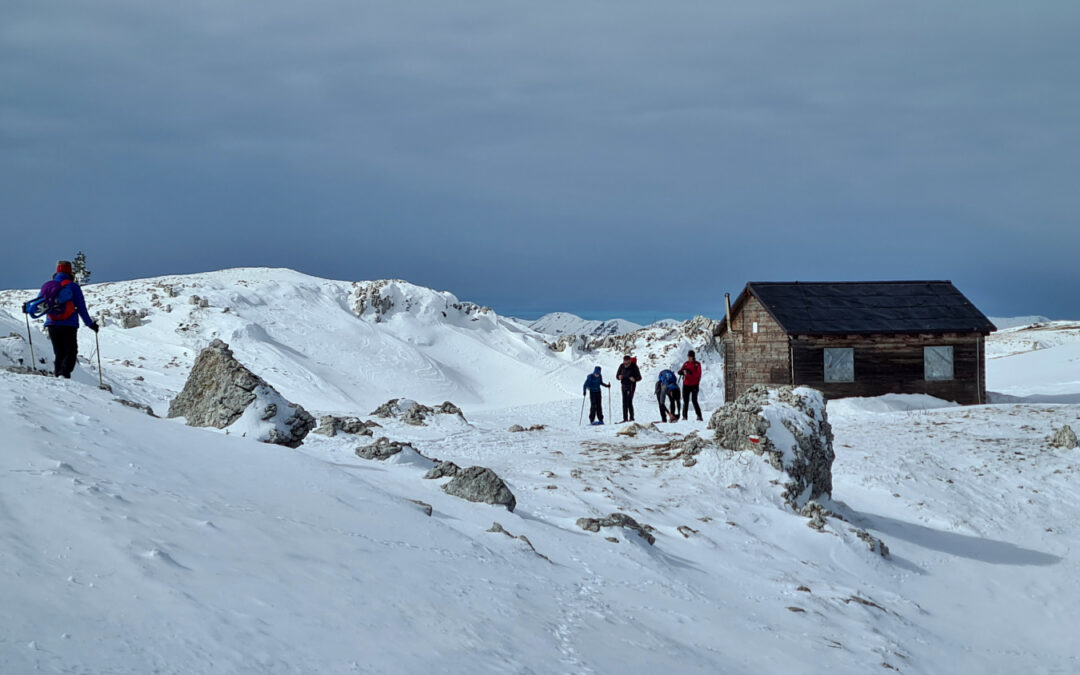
(596, 405)
(691, 374)
(629, 375)
(62, 320)
(667, 386)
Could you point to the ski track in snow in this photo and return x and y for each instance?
(130, 544)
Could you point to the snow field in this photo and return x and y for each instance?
(131, 544)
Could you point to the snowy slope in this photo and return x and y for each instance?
(130, 544)
(1037, 363)
(563, 323)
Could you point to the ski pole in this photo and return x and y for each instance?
(30, 337)
(581, 417)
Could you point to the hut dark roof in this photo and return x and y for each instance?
(825, 308)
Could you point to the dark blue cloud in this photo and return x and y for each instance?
(535, 157)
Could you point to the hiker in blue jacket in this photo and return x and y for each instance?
(667, 387)
(61, 302)
(596, 406)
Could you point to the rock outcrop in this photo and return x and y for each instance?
(481, 484)
(382, 449)
(220, 392)
(618, 520)
(416, 414)
(1064, 438)
(329, 425)
(790, 428)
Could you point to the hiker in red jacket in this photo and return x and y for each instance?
(691, 374)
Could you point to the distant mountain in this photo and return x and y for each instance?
(564, 323)
(1003, 322)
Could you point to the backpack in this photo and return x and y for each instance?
(668, 378)
(54, 301)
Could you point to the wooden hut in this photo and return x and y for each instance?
(856, 339)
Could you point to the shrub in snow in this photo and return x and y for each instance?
(220, 392)
(1064, 437)
(480, 484)
(617, 520)
(792, 432)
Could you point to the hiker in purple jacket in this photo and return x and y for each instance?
(62, 304)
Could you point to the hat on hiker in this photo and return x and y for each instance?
(63, 266)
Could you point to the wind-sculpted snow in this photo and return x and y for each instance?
(134, 544)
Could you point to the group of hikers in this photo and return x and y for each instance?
(62, 304)
(667, 390)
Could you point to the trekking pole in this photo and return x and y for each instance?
(609, 406)
(30, 337)
(581, 417)
(97, 348)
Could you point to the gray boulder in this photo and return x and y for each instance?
(442, 470)
(790, 428)
(220, 391)
(480, 484)
(1064, 437)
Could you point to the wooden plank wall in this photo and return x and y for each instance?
(887, 364)
(761, 357)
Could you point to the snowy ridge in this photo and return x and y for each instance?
(132, 544)
(564, 323)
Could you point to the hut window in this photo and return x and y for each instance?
(840, 364)
(938, 363)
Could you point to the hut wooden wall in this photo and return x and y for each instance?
(886, 364)
(753, 358)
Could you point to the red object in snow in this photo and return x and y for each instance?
(755, 439)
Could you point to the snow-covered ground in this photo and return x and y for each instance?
(130, 544)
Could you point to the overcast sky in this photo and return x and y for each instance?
(581, 156)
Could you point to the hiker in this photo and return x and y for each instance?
(592, 385)
(691, 374)
(629, 375)
(61, 302)
(667, 386)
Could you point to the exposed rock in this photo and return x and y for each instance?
(130, 320)
(416, 414)
(194, 300)
(382, 449)
(634, 429)
(138, 406)
(817, 514)
(617, 520)
(220, 390)
(517, 428)
(792, 431)
(424, 506)
(329, 425)
(480, 484)
(688, 447)
(1064, 437)
(498, 529)
(875, 544)
(442, 470)
(686, 531)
